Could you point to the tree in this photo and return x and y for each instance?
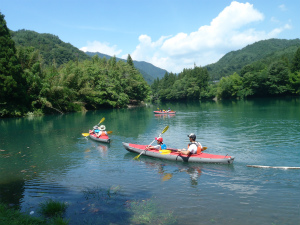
(129, 61)
(12, 90)
(296, 62)
(278, 78)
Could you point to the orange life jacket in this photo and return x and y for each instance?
(103, 133)
(199, 148)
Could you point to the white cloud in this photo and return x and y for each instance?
(228, 31)
(282, 7)
(104, 48)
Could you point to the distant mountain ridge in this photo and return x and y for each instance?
(266, 50)
(53, 49)
(149, 71)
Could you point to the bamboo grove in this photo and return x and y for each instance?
(28, 85)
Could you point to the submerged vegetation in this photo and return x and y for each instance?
(51, 210)
(101, 206)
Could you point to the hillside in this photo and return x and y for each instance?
(267, 51)
(50, 46)
(53, 49)
(149, 72)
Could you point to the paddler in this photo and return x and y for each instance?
(102, 131)
(193, 147)
(160, 145)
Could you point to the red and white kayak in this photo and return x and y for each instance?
(164, 112)
(102, 138)
(175, 156)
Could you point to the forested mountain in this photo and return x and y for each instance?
(44, 75)
(149, 72)
(51, 48)
(266, 51)
(265, 69)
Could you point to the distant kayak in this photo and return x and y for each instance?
(175, 156)
(102, 138)
(164, 112)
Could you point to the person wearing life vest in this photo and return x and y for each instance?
(160, 145)
(102, 131)
(193, 147)
(95, 130)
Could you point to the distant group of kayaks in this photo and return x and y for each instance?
(99, 134)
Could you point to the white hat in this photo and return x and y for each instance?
(102, 127)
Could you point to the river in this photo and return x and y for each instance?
(47, 158)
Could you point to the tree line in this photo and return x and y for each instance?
(262, 78)
(29, 86)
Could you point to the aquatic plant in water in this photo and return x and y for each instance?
(147, 212)
(52, 208)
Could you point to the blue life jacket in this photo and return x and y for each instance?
(163, 146)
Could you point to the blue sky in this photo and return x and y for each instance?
(170, 34)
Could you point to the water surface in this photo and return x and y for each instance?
(46, 157)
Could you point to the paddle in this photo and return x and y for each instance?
(87, 134)
(164, 130)
(101, 120)
(169, 150)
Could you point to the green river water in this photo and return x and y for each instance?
(47, 158)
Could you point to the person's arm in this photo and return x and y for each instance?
(153, 147)
(184, 151)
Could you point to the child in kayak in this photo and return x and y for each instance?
(160, 145)
(102, 131)
(193, 147)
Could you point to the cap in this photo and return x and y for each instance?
(160, 139)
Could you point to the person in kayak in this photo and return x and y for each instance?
(95, 130)
(160, 145)
(102, 131)
(193, 147)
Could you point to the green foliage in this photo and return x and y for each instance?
(14, 217)
(52, 208)
(230, 87)
(50, 47)
(189, 84)
(46, 75)
(13, 99)
(149, 72)
(147, 212)
(296, 62)
(266, 51)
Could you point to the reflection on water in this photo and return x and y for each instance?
(51, 160)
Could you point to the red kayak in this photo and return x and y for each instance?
(102, 138)
(164, 112)
(175, 156)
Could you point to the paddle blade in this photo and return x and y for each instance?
(102, 120)
(204, 148)
(109, 132)
(137, 157)
(85, 134)
(164, 130)
(167, 176)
